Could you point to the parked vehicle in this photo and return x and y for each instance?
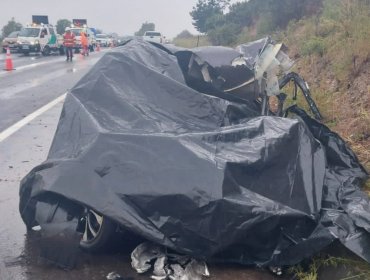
(11, 41)
(104, 40)
(153, 36)
(90, 36)
(40, 38)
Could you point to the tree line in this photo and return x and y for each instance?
(223, 22)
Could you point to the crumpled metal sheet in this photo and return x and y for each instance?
(144, 254)
(167, 266)
(201, 175)
(115, 276)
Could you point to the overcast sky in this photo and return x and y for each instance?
(121, 16)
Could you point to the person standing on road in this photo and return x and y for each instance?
(69, 40)
(84, 43)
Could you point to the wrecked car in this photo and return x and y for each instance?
(182, 148)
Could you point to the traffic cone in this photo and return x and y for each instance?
(8, 61)
(98, 47)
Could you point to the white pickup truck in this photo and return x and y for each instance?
(153, 36)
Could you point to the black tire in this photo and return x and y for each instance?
(102, 241)
(46, 51)
(61, 51)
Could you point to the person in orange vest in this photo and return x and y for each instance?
(84, 43)
(69, 41)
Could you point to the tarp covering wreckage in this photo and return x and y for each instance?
(196, 173)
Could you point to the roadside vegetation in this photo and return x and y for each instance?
(332, 50)
(330, 43)
(329, 40)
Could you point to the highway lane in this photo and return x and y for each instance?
(27, 89)
(20, 60)
(21, 94)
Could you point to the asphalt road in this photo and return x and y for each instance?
(29, 113)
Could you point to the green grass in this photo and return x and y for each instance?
(357, 269)
(192, 42)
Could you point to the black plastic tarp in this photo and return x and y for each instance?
(199, 174)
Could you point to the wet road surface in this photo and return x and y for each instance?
(21, 93)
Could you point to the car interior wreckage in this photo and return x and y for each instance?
(185, 148)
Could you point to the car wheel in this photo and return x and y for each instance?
(98, 232)
(46, 51)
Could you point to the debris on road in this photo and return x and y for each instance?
(115, 276)
(143, 255)
(159, 143)
(166, 266)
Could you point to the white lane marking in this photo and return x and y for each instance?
(18, 125)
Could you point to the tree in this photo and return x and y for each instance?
(205, 9)
(146, 26)
(62, 24)
(223, 35)
(184, 35)
(10, 27)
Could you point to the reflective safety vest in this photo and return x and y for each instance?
(84, 41)
(69, 39)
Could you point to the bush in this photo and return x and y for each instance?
(245, 36)
(185, 34)
(192, 42)
(314, 45)
(265, 25)
(224, 35)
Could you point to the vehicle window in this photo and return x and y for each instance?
(13, 34)
(77, 32)
(152, 34)
(51, 31)
(29, 32)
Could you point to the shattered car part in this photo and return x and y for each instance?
(193, 271)
(166, 266)
(244, 75)
(143, 254)
(200, 172)
(115, 276)
(160, 269)
(276, 270)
